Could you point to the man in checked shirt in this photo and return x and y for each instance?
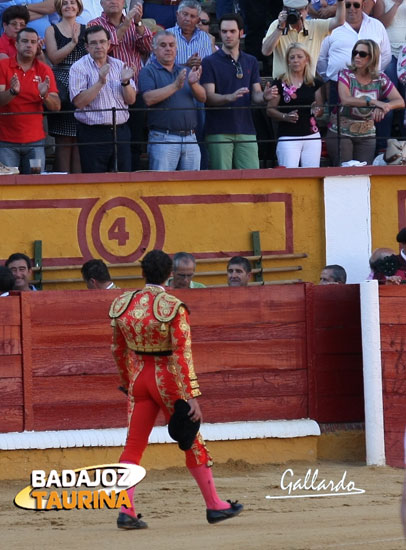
(130, 42)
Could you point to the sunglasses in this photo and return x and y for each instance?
(238, 69)
(361, 54)
(355, 5)
(205, 21)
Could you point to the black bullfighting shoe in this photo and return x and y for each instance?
(214, 516)
(124, 521)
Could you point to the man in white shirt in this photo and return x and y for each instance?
(335, 53)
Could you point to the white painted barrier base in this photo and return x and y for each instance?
(115, 437)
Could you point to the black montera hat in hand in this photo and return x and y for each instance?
(181, 428)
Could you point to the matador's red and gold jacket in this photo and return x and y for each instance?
(151, 324)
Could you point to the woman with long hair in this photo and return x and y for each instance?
(65, 45)
(300, 99)
(362, 89)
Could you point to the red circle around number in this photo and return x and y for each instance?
(146, 230)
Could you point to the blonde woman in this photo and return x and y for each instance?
(300, 101)
(65, 45)
(367, 96)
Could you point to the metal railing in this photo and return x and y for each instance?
(115, 142)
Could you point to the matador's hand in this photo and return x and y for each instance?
(195, 413)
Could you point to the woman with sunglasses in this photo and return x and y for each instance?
(362, 90)
(300, 100)
(204, 25)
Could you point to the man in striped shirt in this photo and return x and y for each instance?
(98, 81)
(193, 45)
(131, 41)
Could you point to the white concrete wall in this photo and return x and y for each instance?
(348, 224)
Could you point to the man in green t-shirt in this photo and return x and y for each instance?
(184, 268)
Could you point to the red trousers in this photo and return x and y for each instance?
(152, 389)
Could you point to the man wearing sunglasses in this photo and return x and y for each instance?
(335, 53)
(292, 26)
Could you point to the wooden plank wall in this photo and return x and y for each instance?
(11, 372)
(335, 370)
(392, 303)
(260, 353)
(250, 352)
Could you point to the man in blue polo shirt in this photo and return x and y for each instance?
(231, 78)
(169, 91)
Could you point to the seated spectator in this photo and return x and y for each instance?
(204, 25)
(15, 18)
(39, 13)
(98, 81)
(65, 44)
(172, 141)
(231, 79)
(322, 9)
(183, 271)
(96, 275)
(26, 85)
(238, 271)
(298, 90)
(333, 275)
(6, 281)
(21, 268)
(362, 90)
(309, 33)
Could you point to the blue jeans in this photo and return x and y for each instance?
(168, 152)
(19, 154)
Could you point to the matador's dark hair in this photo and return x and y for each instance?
(156, 267)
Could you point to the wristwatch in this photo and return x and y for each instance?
(125, 83)
(140, 23)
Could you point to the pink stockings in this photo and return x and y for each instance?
(204, 478)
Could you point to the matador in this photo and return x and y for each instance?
(152, 350)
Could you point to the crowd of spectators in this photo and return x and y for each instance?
(338, 71)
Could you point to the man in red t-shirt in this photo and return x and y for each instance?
(15, 18)
(26, 85)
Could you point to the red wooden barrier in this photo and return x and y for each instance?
(392, 304)
(261, 353)
(335, 371)
(11, 378)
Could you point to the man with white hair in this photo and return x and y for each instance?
(169, 90)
